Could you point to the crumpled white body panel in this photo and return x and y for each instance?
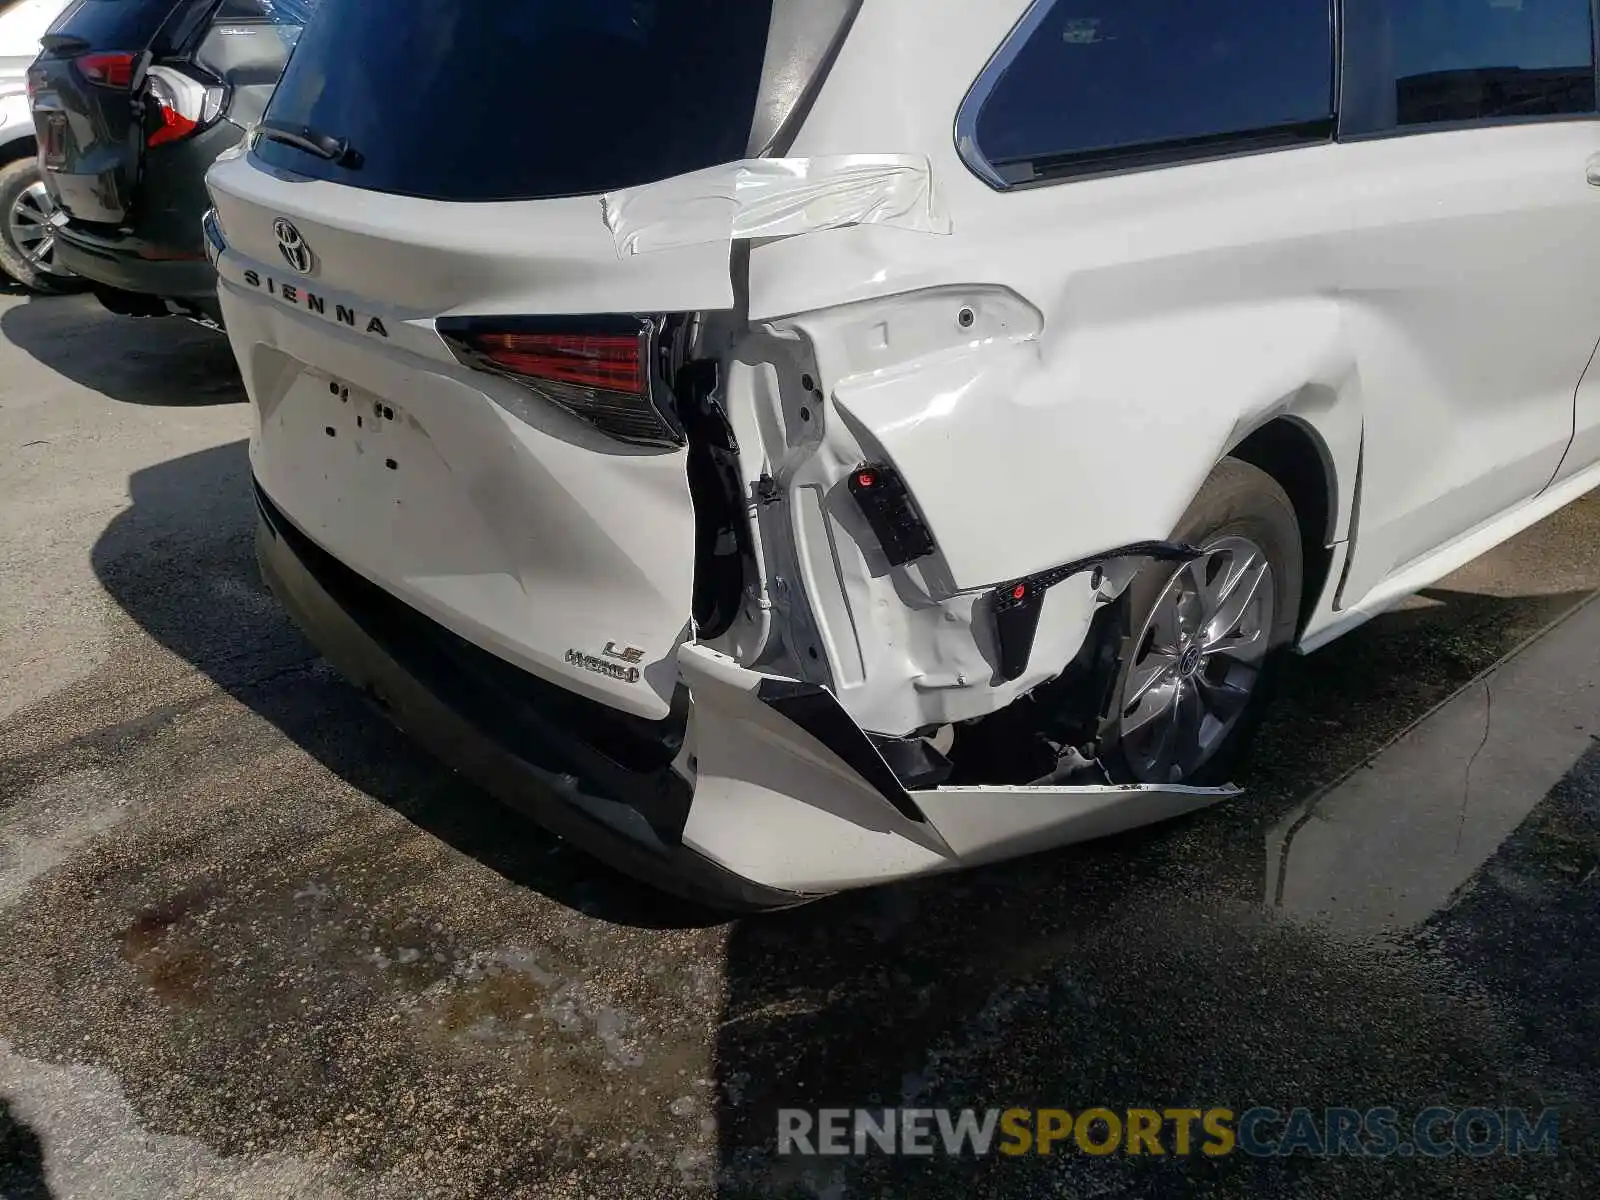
(776, 806)
(775, 198)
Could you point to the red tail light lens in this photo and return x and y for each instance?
(113, 70)
(182, 105)
(605, 363)
(174, 127)
(599, 369)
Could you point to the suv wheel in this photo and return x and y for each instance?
(27, 242)
(1193, 675)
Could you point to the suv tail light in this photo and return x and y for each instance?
(600, 369)
(183, 105)
(113, 69)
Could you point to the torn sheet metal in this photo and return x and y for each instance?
(775, 198)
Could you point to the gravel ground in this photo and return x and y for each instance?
(254, 944)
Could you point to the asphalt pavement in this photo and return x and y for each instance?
(255, 944)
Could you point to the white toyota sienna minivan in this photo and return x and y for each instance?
(787, 445)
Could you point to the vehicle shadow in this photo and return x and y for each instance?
(162, 361)
(21, 1159)
(216, 613)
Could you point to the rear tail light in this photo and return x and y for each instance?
(113, 69)
(600, 369)
(182, 105)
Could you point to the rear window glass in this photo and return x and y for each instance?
(489, 100)
(1100, 78)
(115, 24)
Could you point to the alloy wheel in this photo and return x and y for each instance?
(31, 231)
(1197, 661)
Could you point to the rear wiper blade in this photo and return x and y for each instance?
(331, 148)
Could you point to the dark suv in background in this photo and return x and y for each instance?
(132, 101)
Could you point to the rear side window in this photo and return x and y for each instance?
(115, 24)
(1099, 84)
(490, 100)
(1427, 62)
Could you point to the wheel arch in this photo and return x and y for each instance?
(17, 149)
(1291, 450)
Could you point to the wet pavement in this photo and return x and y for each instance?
(253, 943)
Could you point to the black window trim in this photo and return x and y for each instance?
(1079, 165)
(978, 95)
(1120, 160)
(1470, 123)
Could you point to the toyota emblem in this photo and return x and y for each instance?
(292, 245)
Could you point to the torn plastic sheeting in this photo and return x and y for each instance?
(774, 198)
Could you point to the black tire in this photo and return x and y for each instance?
(1237, 500)
(16, 178)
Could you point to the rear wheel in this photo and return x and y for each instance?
(1193, 675)
(27, 240)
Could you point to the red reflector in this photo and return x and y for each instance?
(1018, 592)
(866, 479)
(604, 362)
(109, 70)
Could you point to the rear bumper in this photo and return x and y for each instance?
(757, 792)
(125, 263)
(491, 723)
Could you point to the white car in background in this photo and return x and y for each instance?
(27, 241)
(793, 444)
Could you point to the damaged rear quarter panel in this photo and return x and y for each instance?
(1095, 429)
(1178, 310)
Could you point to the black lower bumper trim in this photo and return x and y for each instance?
(815, 710)
(533, 750)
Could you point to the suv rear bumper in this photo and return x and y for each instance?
(123, 262)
